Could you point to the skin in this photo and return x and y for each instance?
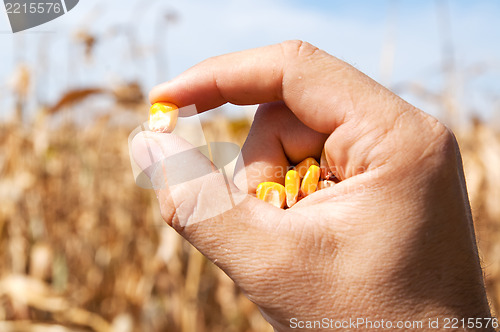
(394, 240)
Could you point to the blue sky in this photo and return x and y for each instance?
(395, 42)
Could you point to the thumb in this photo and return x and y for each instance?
(205, 207)
(181, 174)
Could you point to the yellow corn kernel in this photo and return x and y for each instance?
(273, 193)
(322, 184)
(310, 181)
(304, 165)
(163, 117)
(292, 186)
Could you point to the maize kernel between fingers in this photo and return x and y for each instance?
(310, 181)
(292, 186)
(304, 165)
(323, 164)
(273, 193)
(163, 117)
(322, 184)
(297, 186)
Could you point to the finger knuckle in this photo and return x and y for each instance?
(299, 48)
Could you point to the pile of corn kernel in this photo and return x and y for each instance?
(300, 181)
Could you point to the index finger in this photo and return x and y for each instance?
(320, 89)
(368, 125)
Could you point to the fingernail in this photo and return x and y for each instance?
(146, 152)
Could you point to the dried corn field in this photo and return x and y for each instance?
(82, 248)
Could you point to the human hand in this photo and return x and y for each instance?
(393, 240)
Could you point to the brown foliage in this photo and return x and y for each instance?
(83, 248)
